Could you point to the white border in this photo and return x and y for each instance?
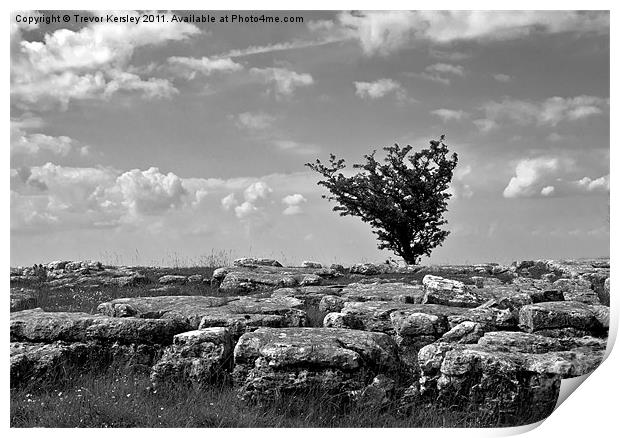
(590, 411)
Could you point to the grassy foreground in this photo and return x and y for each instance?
(113, 400)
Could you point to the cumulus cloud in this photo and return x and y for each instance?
(448, 114)
(32, 144)
(256, 191)
(92, 62)
(93, 196)
(283, 80)
(293, 204)
(150, 191)
(548, 112)
(529, 174)
(190, 67)
(552, 176)
(379, 88)
(547, 190)
(228, 202)
(597, 185)
(256, 196)
(53, 197)
(254, 121)
(384, 32)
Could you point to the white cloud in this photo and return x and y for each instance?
(284, 81)
(256, 121)
(150, 191)
(32, 144)
(256, 196)
(501, 77)
(229, 201)
(293, 204)
(547, 190)
(448, 114)
(92, 62)
(529, 175)
(378, 89)
(597, 185)
(384, 32)
(189, 67)
(548, 112)
(245, 209)
(256, 191)
(49, 197)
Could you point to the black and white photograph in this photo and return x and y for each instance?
(306, 218)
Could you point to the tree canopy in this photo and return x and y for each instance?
(403, 199)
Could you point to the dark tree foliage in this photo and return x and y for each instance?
(403, 199)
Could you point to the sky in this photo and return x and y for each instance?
(168, 143)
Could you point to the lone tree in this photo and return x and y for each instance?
(403, 200)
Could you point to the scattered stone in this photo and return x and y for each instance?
(252, 261)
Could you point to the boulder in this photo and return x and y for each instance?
(310, 280)
(248, 281)
(380, 291)
(515, 386)
(605, 293)
(253, 261)
(23, 298)
(37, 325)
(272, 362)
(36, 362)
(173, 279)
(577, 289)
(369, 269)
(466, 332)
(239, 314)
(196, 357)
(309, 264)
(453, 293)
(57, 265)
(560, 315)
(331, 303)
